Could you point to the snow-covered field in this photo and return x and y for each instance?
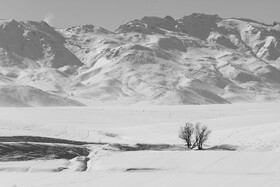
(252, 129)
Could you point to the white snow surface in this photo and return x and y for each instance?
(254, 129)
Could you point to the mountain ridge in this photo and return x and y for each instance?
(197, 59)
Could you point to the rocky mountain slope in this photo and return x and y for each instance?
(197, 59)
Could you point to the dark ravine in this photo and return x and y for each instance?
(39, 151)
(169, 147)
(41, 139)
(149, 147)
(22, 148)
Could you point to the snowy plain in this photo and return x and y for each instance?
(147, 64)
(252, 129)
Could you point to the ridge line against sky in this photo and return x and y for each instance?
(110, 14)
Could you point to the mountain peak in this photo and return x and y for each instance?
(202, 15)
(169, 18)
(36, 41)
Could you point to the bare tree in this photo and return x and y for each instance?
(201, 135)
(194, 135)
(186, 133)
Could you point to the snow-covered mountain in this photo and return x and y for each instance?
(197, 59)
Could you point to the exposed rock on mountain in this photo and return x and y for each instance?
(33, 44)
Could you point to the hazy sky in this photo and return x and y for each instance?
(112, 13)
